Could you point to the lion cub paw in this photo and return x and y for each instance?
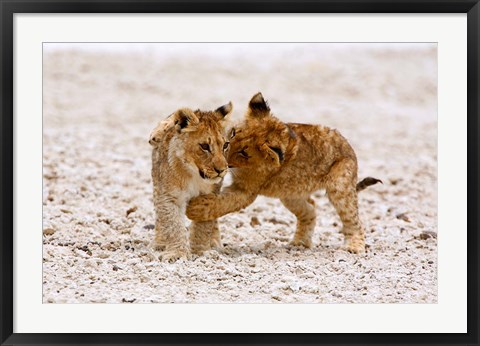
(155, 246)
(199, 249)
(199, 207)
(174, 255)
(307, 243)
(214, 244)
(355, 245)
(161, 252)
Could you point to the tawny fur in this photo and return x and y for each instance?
(188, 159)
(290, 162)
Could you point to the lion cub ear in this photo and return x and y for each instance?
(224, 110)
(185, 120)
(258, 107)
(275, 154)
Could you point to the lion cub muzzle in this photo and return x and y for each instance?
(217, 173)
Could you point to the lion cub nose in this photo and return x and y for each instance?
(219, 171)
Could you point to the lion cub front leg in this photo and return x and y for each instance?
(212, 206)
(171, 235)
(304, 210)
(204, 236)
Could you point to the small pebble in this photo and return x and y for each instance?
(427, 234)
(403, 217)
(254, 221)
(131, 210)
(48, 231)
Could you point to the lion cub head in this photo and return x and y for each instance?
(262, 141)
(197, 140)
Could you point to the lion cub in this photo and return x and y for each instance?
(188, 159)
(289, 161)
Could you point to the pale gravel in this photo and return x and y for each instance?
(99, 108)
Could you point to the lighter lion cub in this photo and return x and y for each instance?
(188, 159)
(289, 161)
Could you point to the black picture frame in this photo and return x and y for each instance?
(10, 7)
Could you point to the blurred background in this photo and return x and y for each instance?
(101, 100)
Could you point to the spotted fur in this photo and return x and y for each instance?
(289, 162)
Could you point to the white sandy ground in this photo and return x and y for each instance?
(100, 106)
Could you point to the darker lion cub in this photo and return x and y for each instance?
(290, 162)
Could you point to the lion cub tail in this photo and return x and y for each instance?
(367, 182)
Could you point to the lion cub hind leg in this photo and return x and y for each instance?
(204, 236)
(304, 210)
(171, 235)
(341, 191)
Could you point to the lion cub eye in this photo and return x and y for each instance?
(225, 146)
(205, 147)
(244, 154)
(232, 132)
